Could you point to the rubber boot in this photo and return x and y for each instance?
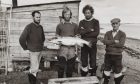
(68, 74)
(32, 78)
(93, 71)
(83, 73)
(61, 66)
(60, 74)
(70, 67)
(106, 79)
(119, 79)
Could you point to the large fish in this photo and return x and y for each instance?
(70, 41)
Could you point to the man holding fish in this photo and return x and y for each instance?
(66, 58)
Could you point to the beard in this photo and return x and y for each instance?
(37, 22)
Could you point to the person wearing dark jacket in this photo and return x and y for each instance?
(89, 30)
(32, 39)
(114, 41)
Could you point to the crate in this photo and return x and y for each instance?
(75, 80)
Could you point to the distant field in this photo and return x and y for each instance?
(131, 30)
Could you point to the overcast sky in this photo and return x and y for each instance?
(127, 10)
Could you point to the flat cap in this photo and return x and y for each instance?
(115, 20)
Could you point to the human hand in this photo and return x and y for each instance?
(78, 36)
(44, 47)
(49, 39)
(27, 51)
(116, 41)
(59, 43)
(82, 28)
(91, 29)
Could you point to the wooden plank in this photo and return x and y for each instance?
(48, 22)
(14, 39)
(20, 20)
(23, 58)
(22, 16)
(17, 49)
(15, 32)
(45, 7)
(46, 25)
(75, 80)
(40, 8)
(48, 13)
(48, 54)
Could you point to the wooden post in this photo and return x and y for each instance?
(14, 2)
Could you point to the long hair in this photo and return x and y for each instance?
(65, 10)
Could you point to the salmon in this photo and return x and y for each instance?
(70, 41)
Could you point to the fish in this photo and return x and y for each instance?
(70, 41)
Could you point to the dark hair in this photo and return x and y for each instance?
(66, 9)
(88, 7)
(33, 13)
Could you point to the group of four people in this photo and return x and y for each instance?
(32, 39)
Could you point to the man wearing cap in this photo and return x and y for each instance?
(114, 41)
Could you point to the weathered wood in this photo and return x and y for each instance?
(44, 7)
(21, 16)
(75, 80)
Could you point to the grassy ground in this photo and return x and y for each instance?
(129, 60)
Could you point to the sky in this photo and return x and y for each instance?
(105, 10)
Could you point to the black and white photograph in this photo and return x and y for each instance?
(69, 42)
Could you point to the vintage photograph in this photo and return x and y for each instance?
(69, 42)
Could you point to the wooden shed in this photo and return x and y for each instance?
(50, 17)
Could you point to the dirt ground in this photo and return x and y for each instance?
(130, 59)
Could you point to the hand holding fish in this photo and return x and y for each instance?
(70, 41)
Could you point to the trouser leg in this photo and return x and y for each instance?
(92, 60)
(118, 68)
(84, 60)
(61, 66)
(93, 71)
(107, 69)
(34, 62)
(70, 67)
(118, 79)
(106, 76)
(32, 79)
(34, 66)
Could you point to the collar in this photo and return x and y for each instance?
(36, 24)
(89, 19)
(115, 31)
(67, 22)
